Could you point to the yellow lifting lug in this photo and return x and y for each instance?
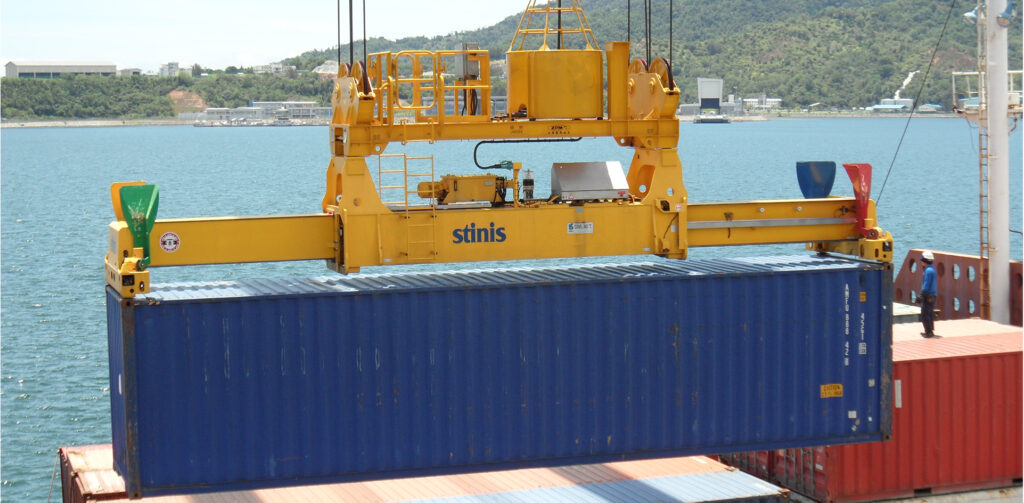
(879, 248)
(122, 263)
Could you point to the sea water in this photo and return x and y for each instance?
(55, 207)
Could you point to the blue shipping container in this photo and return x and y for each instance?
(293, 381)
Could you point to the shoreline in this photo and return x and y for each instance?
(826, 115)
(45, 123)
(74, 123)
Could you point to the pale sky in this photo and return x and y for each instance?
(218, 33)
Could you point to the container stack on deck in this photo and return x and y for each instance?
(956, 424)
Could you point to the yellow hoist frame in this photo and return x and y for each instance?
(552, 93)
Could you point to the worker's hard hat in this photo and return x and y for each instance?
(928, 256)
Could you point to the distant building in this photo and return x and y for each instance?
(54, 69)
(275, 68)
(233, 114)
(499, 105)
(893, 105)
(173, 70)
(709, 94)
(268, 112)
(294, 110)
(709, 100)
(498, 68)
(124, 72)
(762, 103)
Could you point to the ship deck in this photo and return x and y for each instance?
(87, 474)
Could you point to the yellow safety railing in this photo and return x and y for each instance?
(552, 27)
(426, 79)
(405, 177)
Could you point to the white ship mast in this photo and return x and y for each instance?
(992, 113)
(998, 162)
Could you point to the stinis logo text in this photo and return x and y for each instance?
(473, 234)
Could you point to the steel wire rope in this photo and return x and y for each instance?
(351, 41)
(339, 34)
(53, 477)
(920, 89)
(365, 60)
(647, 29)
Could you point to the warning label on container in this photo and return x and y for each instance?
(831, 390)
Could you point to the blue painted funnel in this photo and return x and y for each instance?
(816, 178)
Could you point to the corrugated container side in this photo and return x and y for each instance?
(116, 355)
(956, 426)
(757, 463)
(405, 374)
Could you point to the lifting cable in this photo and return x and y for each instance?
(527, 140)
(351, 53)
(952, 5)
(559, 23)
(647, 29)
(339, 34)
(365, 60)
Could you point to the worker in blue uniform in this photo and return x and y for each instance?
(927, 297)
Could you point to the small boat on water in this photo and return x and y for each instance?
(711, 119)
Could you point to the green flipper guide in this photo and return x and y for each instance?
(139, 204)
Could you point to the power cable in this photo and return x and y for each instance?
(524, 140)
(952, 5)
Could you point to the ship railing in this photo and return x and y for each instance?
(968, 88)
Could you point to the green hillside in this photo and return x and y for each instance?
(842, 53)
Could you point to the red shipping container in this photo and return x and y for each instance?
(87, 474)
(756, 463)
(957, 425)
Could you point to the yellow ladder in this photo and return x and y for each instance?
(421, 235)
(983, 210)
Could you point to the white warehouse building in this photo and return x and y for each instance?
(54, 69)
